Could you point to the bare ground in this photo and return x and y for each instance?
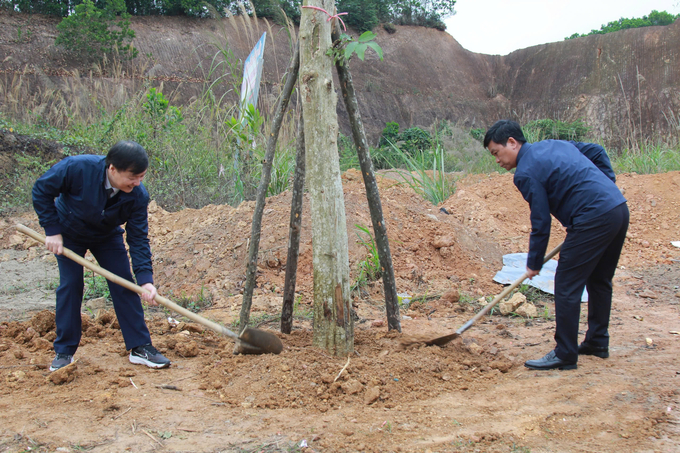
(471, 395)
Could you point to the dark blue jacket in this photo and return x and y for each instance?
(555, 178)
(81, 212)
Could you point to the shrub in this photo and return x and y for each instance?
(544, 129)
(97, 32)
(390, 28)
(389, 134)
(415, 139)
(478, 134)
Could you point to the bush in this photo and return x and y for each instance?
(89, 30)
(390, 28)
(389, 134)
(544, 129)
(415, 139)
(478, 134)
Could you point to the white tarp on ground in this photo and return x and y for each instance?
(515, 264)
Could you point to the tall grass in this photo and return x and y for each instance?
(646, 158)
(426, 175)
(205, 152)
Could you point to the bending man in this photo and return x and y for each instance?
(81, 202)
(575, 183)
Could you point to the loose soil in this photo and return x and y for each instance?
(473, 394)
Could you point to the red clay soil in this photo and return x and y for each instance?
(473, 394)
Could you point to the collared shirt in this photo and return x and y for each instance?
(107, 185)
(555, 178)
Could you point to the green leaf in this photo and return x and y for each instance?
(350, 49)
(361, 50)
(377, 48)
(367, 36)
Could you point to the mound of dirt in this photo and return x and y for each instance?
(472, 394)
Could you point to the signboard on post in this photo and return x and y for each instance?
(252, 72)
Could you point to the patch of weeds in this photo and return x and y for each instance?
(196, 303)
(14, 290)
(546, 315)
(272, 447)
(96, 286)
(466, 299)
(519, 449)
(369, 267)
(51, 284)
(302, 311)
(257, 319)
(535, 295)
(164, 434)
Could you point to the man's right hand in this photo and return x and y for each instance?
(532, 273)
(55, 244)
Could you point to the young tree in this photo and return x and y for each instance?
(333, 323)
(93, 32)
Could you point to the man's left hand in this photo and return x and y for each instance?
(150, 295)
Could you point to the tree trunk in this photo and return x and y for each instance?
(372, 193)
(256, 226)
(294, 232)
(333, 323)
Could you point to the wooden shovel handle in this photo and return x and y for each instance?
(505, 292)
(131, 286)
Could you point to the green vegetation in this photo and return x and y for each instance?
(95, 286)
(654, 18)
(363, 15)
(369, 268)
(646, 158)
(93, 32)
(196, 303)
(545, 129)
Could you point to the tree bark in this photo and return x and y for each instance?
(294, 232)
(333, 323)
(256, 226)
(372, 192)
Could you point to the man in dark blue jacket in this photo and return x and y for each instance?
(575, 183)
(81, 202)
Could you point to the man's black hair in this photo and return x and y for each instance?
(128, 156)
(501, 131)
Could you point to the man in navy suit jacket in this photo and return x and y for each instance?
(81, 202)
(575, 183)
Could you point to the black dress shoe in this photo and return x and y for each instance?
(549, 362)
(588, 349)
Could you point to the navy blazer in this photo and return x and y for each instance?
(80, 211)
(555, 178)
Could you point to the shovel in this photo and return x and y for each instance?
(441, 341)
(251, 341)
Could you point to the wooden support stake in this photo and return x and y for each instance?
(256, 226)
(294, 232)
(372, 193)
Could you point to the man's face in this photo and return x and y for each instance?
(506, 155)
(124, 180)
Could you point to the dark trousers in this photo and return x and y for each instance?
(112, 256)
(588, 259)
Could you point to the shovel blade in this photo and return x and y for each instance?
(441, 341)
(267, 342)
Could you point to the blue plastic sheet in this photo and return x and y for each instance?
(515, 264)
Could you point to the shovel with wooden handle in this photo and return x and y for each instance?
(251, 341)
(446, 338)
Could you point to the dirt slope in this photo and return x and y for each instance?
(472, 395)
(624, 85)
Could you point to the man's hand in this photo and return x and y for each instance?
(149, 296)
(55, 244)
(532, 273)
